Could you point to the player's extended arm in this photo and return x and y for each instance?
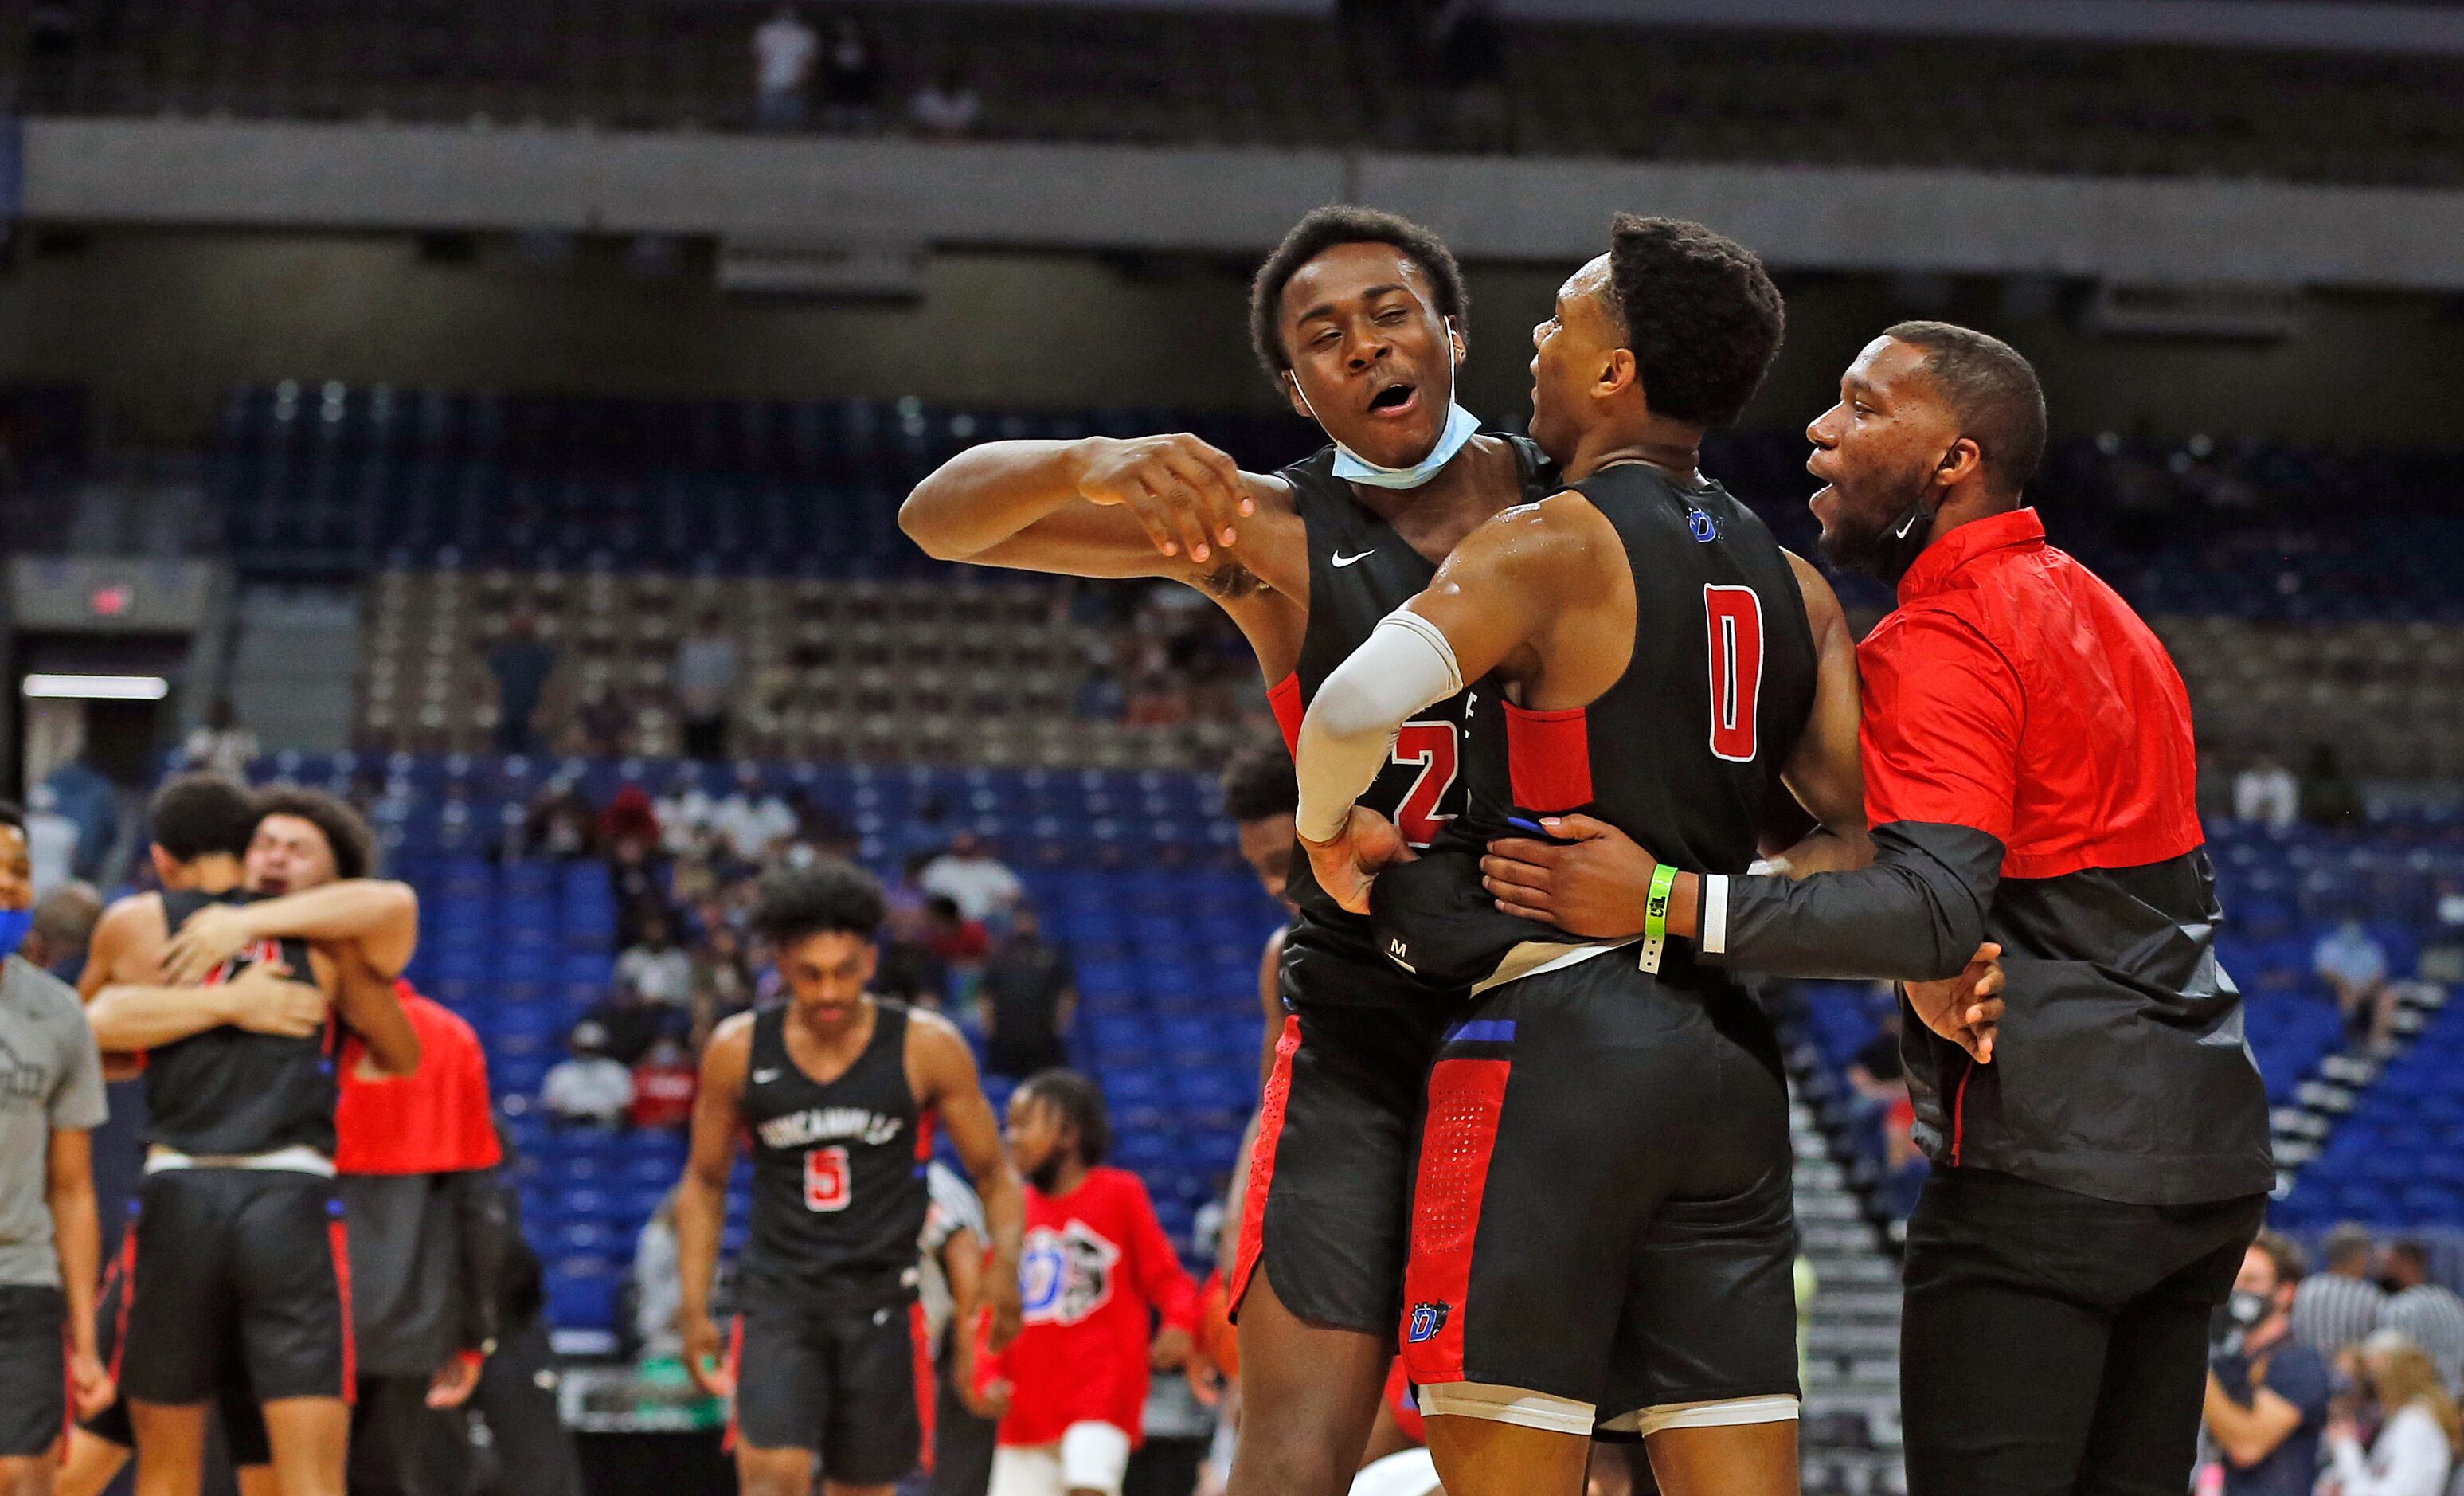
(701, 1195)
(262, 1000)
(370, 1005)
(1097, 507)
(1826, 772)
(380, 916)
(77, 1234)
(946, 1082)
(1164, 1283)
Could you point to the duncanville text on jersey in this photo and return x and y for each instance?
(829, 1124)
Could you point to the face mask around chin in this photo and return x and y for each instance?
(14, 925)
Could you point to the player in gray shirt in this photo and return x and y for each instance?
(51, 1097)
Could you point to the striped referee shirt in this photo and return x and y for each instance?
(2331, 1311)
(2432, 1318)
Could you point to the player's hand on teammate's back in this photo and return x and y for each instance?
(1368, 844)
(1184, 492)
(1968, 1008)
(90, 1385)
(1592, 882)
(1171, 1348)
(207, 940)
(266, 1000)
(703, 1362)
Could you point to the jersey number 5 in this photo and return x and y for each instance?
(1734, 616)
(1434, 746)
(825, 1179)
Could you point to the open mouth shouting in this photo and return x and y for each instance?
(1396, 398)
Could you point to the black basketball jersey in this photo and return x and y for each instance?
(1683, 753)
(229, 1092)
(1360, 570)
(839, 1188)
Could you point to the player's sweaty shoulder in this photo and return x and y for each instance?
(128, 939)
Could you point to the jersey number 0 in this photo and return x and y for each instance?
(1734, 618)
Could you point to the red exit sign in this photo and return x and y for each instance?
(113, 600)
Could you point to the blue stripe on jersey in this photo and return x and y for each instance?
(1482, 1031)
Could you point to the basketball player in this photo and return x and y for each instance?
(238, 1195)
(1357, 316)
(1603, 1235)
(836, 1092)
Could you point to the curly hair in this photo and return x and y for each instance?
(197, 814)
(1701, 313)
(1992, 388)
(1080, 1102)
(1321, 229)
(354, 846)
(831, 896)
(1259, 782)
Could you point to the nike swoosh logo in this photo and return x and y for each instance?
(1346, 560)
(764, 1077)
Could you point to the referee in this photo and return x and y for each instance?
(2100, 1156)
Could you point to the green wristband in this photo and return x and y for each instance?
(1655, 915)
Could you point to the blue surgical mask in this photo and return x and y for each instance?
(1461, 426)
(13, 925)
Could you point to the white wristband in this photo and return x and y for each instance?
(1714, 917)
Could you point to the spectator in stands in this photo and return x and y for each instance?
(559, 824)
(951, 935)
(783, 49)
(627, 1023)
(64, 920)
(51, 840)
(600, 723)
(970, 873)
(521, 664)
(657, 967)
(707, 667)
(2418, 1433)
(910, 973)
(723, 985)
(2265, 792)
(664, 1085)
(1025, 1000)
(220, 745)
(820, 828)
(629, 817)
(2426, 1313)
(637, 878)
(947, 107)
(2337, 1310)
(2329, 797)
(753, 818)
(1877, 1070)
(2354, 967)
(86, 796)
(588, 1086)
(2267, 1392)
(850, 79)
(658, 1287)
(684, 812)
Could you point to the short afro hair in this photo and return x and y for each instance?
(1259, 782)
(1321, 229)
(1701, 313)
(1080, 1102)
(1992, 392)
(354, 846)
(197, 815)
(829, 896)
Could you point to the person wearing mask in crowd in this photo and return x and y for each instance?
(2354, 966)
(2336, 1309)
(2267, 1392)
(969, 872)
(2418, 1433)
(588, 1086)
(721, 986)
(952, 934)
(1025, 998)
(685, 811)
(2265, 792)
(656, 967)
(2426, 1313)
(1071, 1390)
(560, 824)
(663, 1084)
(635, 876)
(754, 819)
(50, 1235)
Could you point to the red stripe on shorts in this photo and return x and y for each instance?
(919, 1336)
(735, 1360)
(1465, 1099)
(1262, 1166)
(126, 1266)
(338, 1240)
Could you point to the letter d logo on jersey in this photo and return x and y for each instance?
(1427, 1319)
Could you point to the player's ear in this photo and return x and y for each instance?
(1455, 339)
(1617, 372)
(163, 864)
(1300, 402)
(1965, 460)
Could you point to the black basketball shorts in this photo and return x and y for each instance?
(234, 1399)
(252, 1261)
(33, 1370)
(855, 1386)
(1603, 1233)
(1327, 1211)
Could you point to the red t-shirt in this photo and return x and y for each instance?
(2014, 692)
(1094, 1272)
(437, 1120)
(663, 1094)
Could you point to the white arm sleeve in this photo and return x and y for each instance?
(1405, 665)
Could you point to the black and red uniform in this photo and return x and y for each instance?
(1603, 1229)
(1326, 1209)
(829, 1352)
(2032, 780)
(239, 1242)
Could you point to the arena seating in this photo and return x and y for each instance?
(1135, 872)
(1190, 75)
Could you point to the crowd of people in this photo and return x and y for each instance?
(835, 77)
